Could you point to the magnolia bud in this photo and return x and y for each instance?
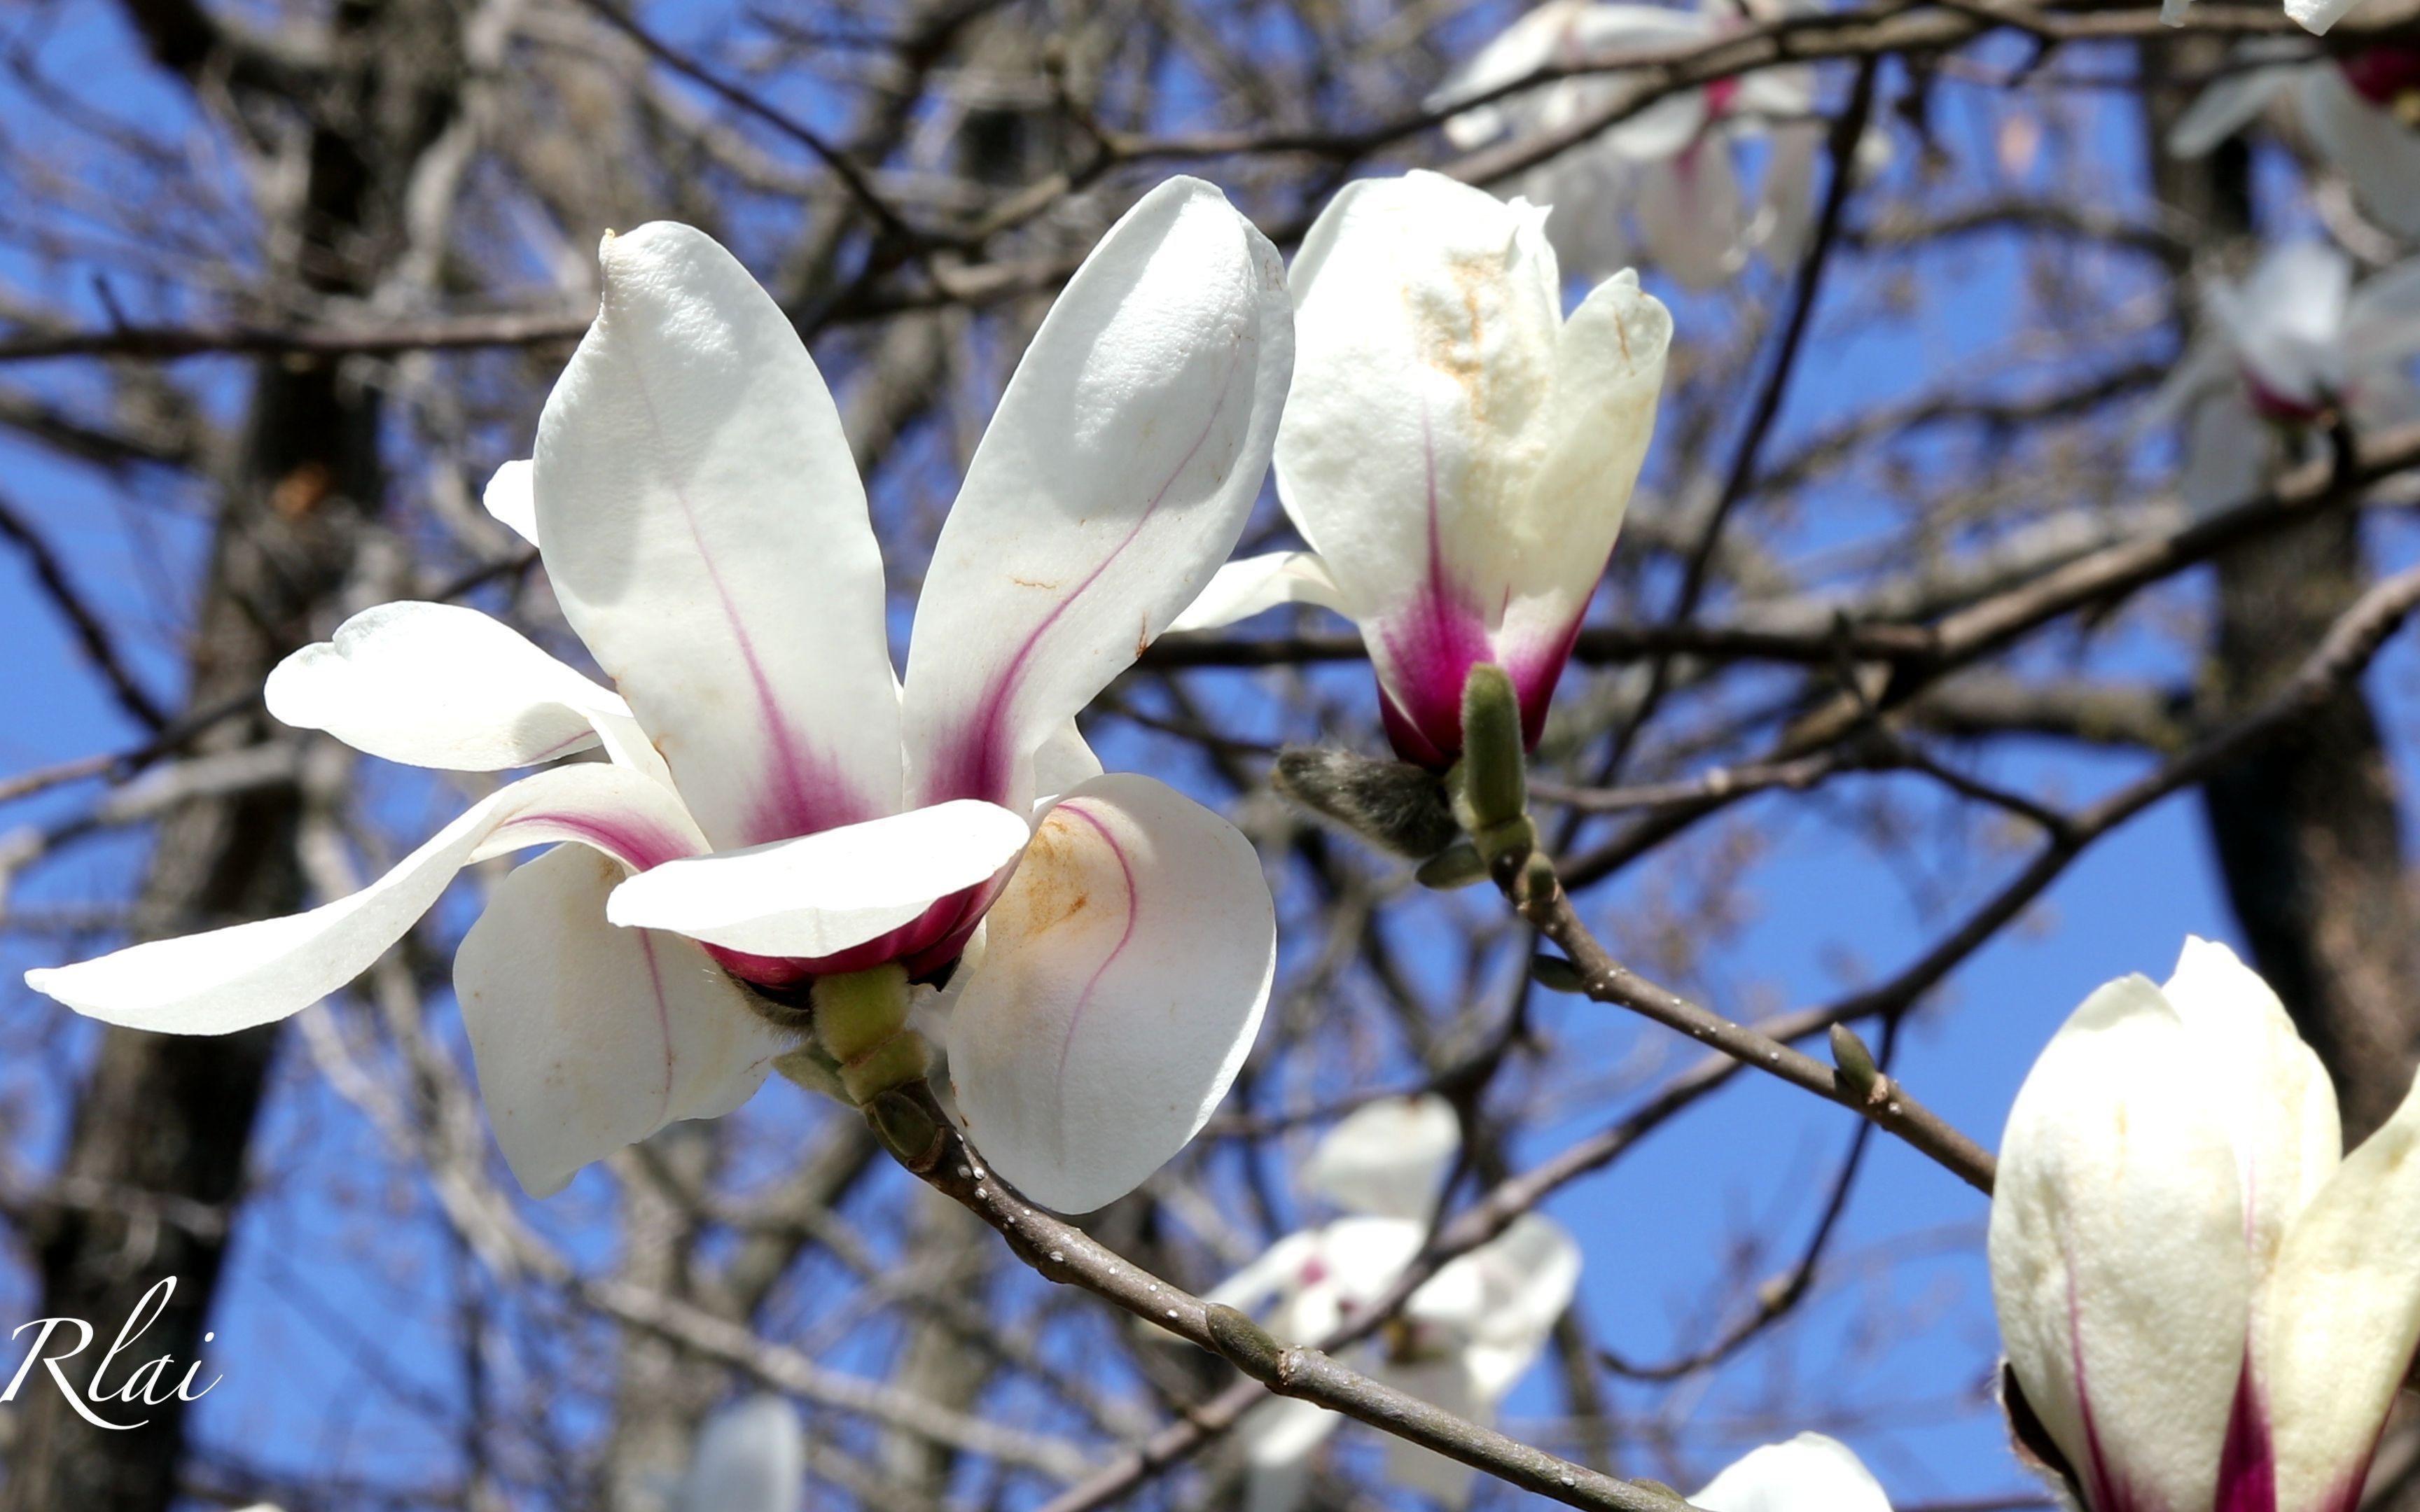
(1458, 865)
(1393, 805)
(1495, 774)
(1859, 1071)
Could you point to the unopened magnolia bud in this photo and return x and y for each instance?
(1241, 1340)
(1394, 805)
(1458, 865)
(1859, 1071)
(902, 1061)
(1556, 975)
(906, 1128)
(1495, 774)
(857, 1010)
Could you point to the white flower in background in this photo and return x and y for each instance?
(2205, 1306)
(1457, 455)
(1810, 1473)
(779, 819)
(1671, 171)
(2361, 111)
(2313, 16)
(2280, 352)
(1462, 1340)
(751, 1457)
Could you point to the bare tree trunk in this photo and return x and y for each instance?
(164, 1123)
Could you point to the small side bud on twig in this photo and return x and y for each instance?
(1458, 865)
(1393, 805)
(1538, 884)
(908, 1129)
(1858, 1072)
(1240, 1339)
(1556, 975)
(1495, 772)
(808, 1067)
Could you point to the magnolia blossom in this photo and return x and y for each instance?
(2360, 110)
(751, 1457)
(2281, 352)
(1810, 1473)
(1457, 455)
(2205, 1306)
(777, 815)
(1673, 169)
(2313, 16)
(1462, 1339)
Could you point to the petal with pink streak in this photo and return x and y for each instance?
(234, 979)
(1120, 979)
(703, 524)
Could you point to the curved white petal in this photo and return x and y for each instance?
(233, 979)
(1587, 195)
(2376, 150)
(1065, 761)
(2317, 16)
(1808, 1474)
(2288, 320)
(1242, 589)
(751, 1457)
(705, 532)
(438, 684)
(1608, 378)
(1277, 1269)
(511, 499)
(1513, 53)
(2346, 1298)
(589, 1037)
(1785, 212)
(2232, 102)
(2268, 1087)
(2117, 1253)
(1692, 215)
(1527, 1275)
(1123, 971)
(1441, 1381)
(822, 893)
(1389, 1157)
(1114, 478)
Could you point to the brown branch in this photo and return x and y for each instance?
(51, 576)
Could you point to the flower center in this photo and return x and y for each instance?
(2280, 408)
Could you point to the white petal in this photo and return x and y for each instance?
(2231, 102)
(2383, 316)
(1440, 1383)
(751, 1457)
(1810, 1473)
(438, 684)
(1389, 1157)
(1788, 193)
(1608, 378)
(1692, 214)
(1528, 1275)
(1123, 971)
(2317, 16)
(1514, 52)
(2117, 1252)
(589, 1037)
(511, 499)
(1278, 1269)
(2376, 150)
(1428, 316)
(2269, 1088)
(2346, 1298)
(1242, 589)
(2288, 320)
(1065, 761)
(1114, 478)
(822, 893)
(705, 532)
(233, 979)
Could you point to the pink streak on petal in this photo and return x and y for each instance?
(1431, 649)
(2248, 1460)
(975, 762)
(1126, 871)
(2103, 1490)
(802, 794)
(635, 842)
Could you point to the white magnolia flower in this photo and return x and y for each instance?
(2360, 110)
(2313, 16)
(1672, 170)
(1810, 1473)
(2204, 1305)
(778, 814)
(2279, 352)
(1461, 1341)
(751, 1457)
(1457, 454)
